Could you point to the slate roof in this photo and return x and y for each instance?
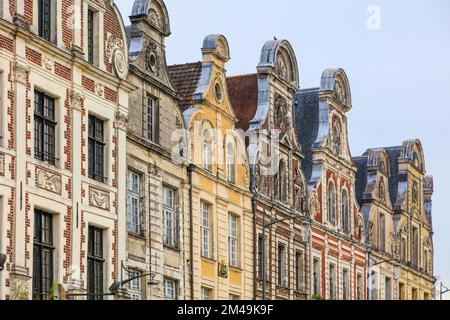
(361, 177)
(393, 154)
(243, 94)
(185, 79)
(307, 125)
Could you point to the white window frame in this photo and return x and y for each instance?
(282, 265)
(170, 289)
(205, 232)
(133, 202)
(231, 162)
(170, 218)
(134, 287)
(333, 285)
(207, 294)
(317, 277)
(233, 240)
(345, 284)
(299, 271)
(150, 126)
(207, 151)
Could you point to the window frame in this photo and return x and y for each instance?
(150, 119)
(331, 203)
(282, 276)
(96, 170)
(174, 295)
(43, 283)
(45, 127)
(233, 240)
(333, 284)
(382, 231)
(45, 25)
(134, 195)
(91, 35)
(206, 230)
(345, 199)
(135, 286)
(299, 271)
(171, 239)
(317, 277)
(95, 263)
(231, 162)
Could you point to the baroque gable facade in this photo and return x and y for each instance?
(338, 267)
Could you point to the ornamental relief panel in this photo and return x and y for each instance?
(48, 180)
(115, 52)
(336, 138)
(99, 198)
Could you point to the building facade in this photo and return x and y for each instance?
(338, 263)
(408, 196)
(372, 191)
(64, 101)
(218, 231)
(264, 103)
(156, 177)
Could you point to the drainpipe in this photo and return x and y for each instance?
(190, 170)
(255, 244)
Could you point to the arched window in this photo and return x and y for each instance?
(230, 163)
(283, 182)
(345, 212)
(331, 204)
(207, 151)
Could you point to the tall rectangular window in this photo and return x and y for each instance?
(149, 119)
(332, 282)
(134, 287)
(170, 219)
(299, 271)
(402, 291)
(415, 294)
(387, 289)
(282, 270)
(205, 222)
(43, 250)
(233, 240)
(382, 232)
(133, 201)
(45, 19)
(403, 249)
(95, 264)
(96, 149)
(44, 127)
(359, 287)
(317, 274)
(90, 34)
(345, 285)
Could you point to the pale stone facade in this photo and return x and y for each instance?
(56, 180)
(153, 117)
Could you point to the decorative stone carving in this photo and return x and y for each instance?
(336, 138)
(77, 100)
(339, 92)
(99, 198)
(48, 180)
(281, 110)
(154, 19)
(314, 203)
(115, 52)
(19, 290)
(21, 73)
(223, 269)
(121, 120)
(415, 194)
(282, 67)
(100, 89)
(152, 58)
(382, 191)
(48, 63)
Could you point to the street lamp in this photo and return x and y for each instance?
(266, 226)
(3, 259)
(443, 290)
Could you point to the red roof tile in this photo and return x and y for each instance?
(243, 93)
(185, 78)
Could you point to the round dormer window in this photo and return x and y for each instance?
(218, 91)
(152, 61)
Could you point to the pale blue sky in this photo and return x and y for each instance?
(399, 75)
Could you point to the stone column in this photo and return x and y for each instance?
(121, 127)
(20, 273)
(77, 102)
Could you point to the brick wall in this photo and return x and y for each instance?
(68, 133)
(33, 56)
(6, 43)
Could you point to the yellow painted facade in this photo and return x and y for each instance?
(221, 201)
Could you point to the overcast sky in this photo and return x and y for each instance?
(398, 66)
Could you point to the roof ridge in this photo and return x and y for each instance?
(183, 64)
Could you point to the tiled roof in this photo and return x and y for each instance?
(307, 125)
(243, 93)
(185, 79)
